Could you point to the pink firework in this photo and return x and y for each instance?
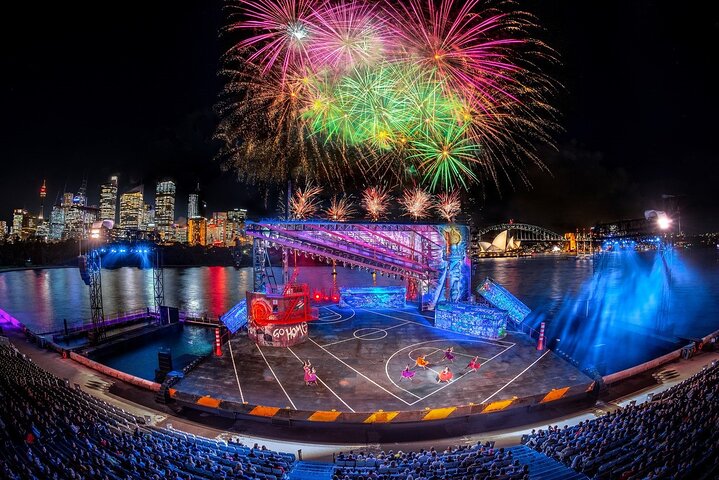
(469, 51)
(416, 203)
(375, 201)
(284, 29)
(449, 206)
(304, 203)
(340, 210)
(347, 35)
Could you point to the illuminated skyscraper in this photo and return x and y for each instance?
(18, 218)
(108, 200)
(132, 208)
(3, 229)
(197, 231)
(57, 222)
(165, 207)
(196, 206)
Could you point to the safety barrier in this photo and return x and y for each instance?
(637, 369)
(111, 372)
(288, 415)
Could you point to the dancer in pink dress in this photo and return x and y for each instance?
(449, 354)
(407, 374)
(474, 364)
(310, 376)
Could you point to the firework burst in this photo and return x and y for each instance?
(340, 209)
(331, 89)
(416, 203)
(448, 206)
(305, 202)
(375, 201)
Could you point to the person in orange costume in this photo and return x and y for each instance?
(421, 361)
(445, 376)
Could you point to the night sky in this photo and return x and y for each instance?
(129, 88)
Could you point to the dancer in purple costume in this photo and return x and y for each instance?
(407, 374)
(449, 354)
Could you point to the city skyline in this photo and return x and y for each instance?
(624, 143)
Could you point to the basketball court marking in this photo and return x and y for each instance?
(232, 356)
(419, 399)
(361, 337)
(273, 374)
(520, 374)
(457, 379)
(360, 373)
(468, 355)
(339, 318)
(323, 383)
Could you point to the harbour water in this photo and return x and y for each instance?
(629, 298)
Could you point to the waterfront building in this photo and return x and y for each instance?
(197, 231)
(108, 200)
(132, 208)
(179, 234)
(165, 207)
(196, 205)
(148, 222)
(3, 229)
(57, 223)
(18, 218)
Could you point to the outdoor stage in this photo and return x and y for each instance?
(359, 356)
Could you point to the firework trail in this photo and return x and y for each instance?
(305, 202)
(416, 203)
(449, 91)
(375, 201)
(448, 206)
(340, 209)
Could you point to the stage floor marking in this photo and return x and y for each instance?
(360, 373)
(360, 337)
(338, 319)
(277, 379)
(323, 383)
(458, 378)
(520, 374)
(389, 377)
(496, 343)
(229, 342)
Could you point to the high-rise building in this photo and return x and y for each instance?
(197, 231)
(196, 205)
(108, 200)
(43, 194)
(132, 208)
(148, 218)
(18, 219)
(57, 223)
(3, 229)
(165, 207)
(238, 215)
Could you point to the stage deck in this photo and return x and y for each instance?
(359, 356)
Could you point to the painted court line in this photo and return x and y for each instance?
(457, 379)
(360, 373)
(232, 356)
(323, 383)
(359, 337)
(520, 374)
(278, 380)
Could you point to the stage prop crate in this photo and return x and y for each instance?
(472, 319)
(374, 297)
(501, 298)
(278, 317)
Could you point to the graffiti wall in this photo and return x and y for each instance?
(273, 335)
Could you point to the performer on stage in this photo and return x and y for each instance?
(310, 376)
(421, 362)
(449, 354)
(407, 374)
(474, 364)
(445, 376)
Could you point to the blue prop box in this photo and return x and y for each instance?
(472, 319)
(373, 297)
